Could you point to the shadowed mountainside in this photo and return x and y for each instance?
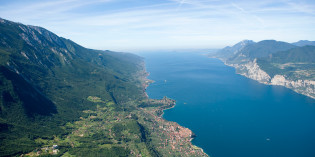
(59, 98)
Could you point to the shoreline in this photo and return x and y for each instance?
(167, 109)
(146, 84)
(265, 83)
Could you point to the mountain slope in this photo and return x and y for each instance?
(259, 49)
(277, 63)
(45, 81)
(59, 98)
(228, 51)
(297, 63)
(304, 43)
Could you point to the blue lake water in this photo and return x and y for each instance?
(230, 114)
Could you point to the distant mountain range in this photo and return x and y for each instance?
(304, 43)
(228, 51)
(274, 62)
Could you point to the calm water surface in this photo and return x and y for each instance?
(232, 115)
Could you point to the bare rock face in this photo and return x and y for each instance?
(306, 87)
(278, 80)
(253, 71)
(296, 68)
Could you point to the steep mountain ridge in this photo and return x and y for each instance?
(59, 98)
(230, 51)
(42, 78)
(258, 50)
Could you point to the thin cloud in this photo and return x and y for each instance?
(190, 23)
(248, 14)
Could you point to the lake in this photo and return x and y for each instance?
(231, 114)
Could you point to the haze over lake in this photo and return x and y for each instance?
(230, 114)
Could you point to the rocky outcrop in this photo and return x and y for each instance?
(306, 87)
(274, 55)
(253, 71)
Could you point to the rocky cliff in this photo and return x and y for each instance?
(274, 63)
(306, 87)
(253, 71)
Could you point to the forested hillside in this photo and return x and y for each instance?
(59, 98)
(46, 80)
(297, 63)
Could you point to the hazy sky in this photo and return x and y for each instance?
(124, 25)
